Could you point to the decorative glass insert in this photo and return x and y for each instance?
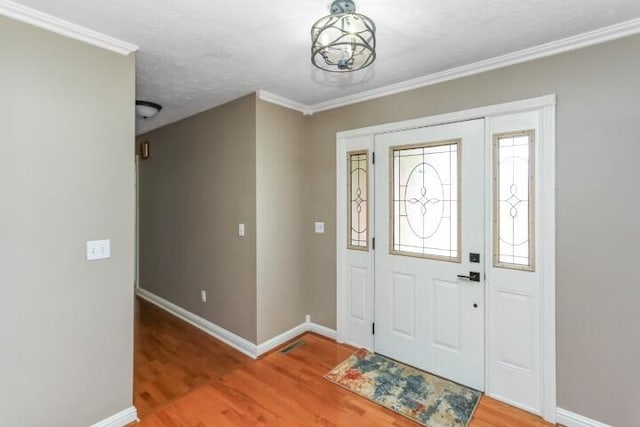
(514, 200)
(358, 193)
(426, 200)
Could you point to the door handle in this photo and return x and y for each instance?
(473, 276)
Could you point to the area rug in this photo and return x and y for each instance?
(424, 398)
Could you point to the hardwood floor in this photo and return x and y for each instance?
(185, 378)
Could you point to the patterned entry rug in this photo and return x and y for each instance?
(429, 400)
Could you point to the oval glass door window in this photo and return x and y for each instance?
(425, 205)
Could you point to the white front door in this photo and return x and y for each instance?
(429, 223)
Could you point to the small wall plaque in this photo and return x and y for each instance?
(144, 150)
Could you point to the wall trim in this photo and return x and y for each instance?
(456, 116)
(548, 263)
(241, 344)
(237, 342)
(48, 22)
(284, 102)
(322, 330)
(570, 419)
(278, 340)
(296, 331)
(568, 44)
(121, 419)
(590, 38)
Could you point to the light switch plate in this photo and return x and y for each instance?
(319, 227)
(241, 230)
(98, 249)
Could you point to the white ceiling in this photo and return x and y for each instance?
(197, 54)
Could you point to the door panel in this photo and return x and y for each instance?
(446, 315)
(354, 234)
(429, 216)
(358, 297)
(516, 280)
(403, 305)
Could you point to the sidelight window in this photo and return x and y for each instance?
(358, 193)
(514, 200)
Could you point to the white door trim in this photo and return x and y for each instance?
(136, 285)
(548, 262)
(546, 106)
(458, 116)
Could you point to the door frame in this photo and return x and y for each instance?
(136, 279)
(546, 223)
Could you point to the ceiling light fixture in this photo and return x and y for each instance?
(343, 41)
(147, 109)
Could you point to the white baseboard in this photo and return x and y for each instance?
(307, 326)
(281, 339)
(120, 419)
(242, 345)
(516, 404)
(227, 337)
(569, 419)
(322, 330)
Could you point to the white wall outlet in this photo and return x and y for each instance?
(241, 230)
(98, 249)
(203, 295)
(307, 318)
(319, 226)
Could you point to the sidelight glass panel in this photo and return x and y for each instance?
(513, 200)
(425, 201)
(358, 193)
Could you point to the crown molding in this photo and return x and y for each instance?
(579, 41)
(59, 26)
(284, 102)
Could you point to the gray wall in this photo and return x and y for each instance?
(598, 226)
(280, 164)
(239, 162)
(66, 176)
(197, 186)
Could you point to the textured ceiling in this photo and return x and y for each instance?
(197, 54)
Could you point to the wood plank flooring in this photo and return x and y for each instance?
(185, 378)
